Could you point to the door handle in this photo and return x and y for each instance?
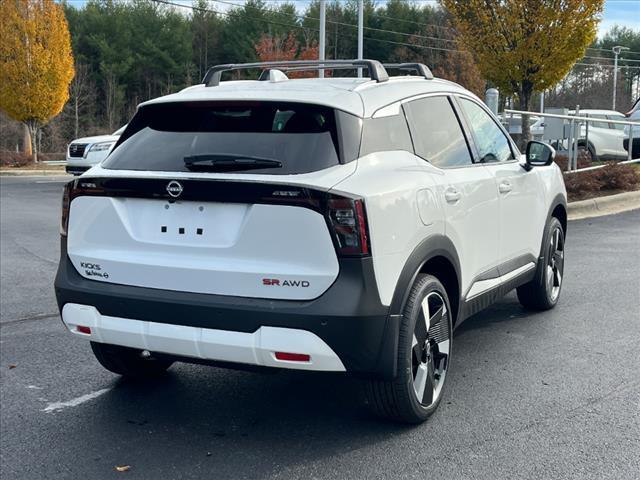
(452, 195)
(505, 187)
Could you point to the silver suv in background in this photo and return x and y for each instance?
(84, 153)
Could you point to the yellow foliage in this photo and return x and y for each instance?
(525, 45)
(36, 62)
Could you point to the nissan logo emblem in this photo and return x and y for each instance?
(174, 188)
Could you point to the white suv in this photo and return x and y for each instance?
(84, 153)
(605, 140)
(336, 224)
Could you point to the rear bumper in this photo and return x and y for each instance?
(348, 318)
(257, 348)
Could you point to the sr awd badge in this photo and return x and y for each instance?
(174, 188)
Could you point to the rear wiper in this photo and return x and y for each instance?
(228, 161)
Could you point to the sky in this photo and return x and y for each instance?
(621, 12)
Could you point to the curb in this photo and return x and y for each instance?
(596, 207)
(33, 173)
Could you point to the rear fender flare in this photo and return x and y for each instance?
(430, 247)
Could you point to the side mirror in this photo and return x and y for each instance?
(539, 154)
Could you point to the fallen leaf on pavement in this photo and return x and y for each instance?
(11, 365)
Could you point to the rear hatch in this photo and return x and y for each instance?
(171, 209)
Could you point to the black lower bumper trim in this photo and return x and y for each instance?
(76, 170)
(348, 317)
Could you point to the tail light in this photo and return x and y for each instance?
(349, 224)
(66, 203)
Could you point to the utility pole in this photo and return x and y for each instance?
(360, 34)
(616, 51)
(323, 34)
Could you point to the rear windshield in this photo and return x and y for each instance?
(257, 137)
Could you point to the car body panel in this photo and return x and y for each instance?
(203, 247)
(521, 214)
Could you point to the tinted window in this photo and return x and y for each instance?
(436, 132)
(490, 140)
(300, 138)
(598, 124)
(385, 134)
(617, 126)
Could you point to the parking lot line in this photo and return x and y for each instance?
(57, 406)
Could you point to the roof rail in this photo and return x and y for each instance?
(265, 73)
(420, 68)
(376, 71)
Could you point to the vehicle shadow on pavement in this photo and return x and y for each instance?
(240, 423)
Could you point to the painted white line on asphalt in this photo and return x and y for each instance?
(57, 406)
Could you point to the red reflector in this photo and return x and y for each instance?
(82, 329)
(293, 357)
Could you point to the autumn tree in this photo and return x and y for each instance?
(36, 63)
(453, 64)
(81, 93)
(275, 48)
(523, 46)
(459, 66)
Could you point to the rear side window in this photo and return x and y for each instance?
(599, 124)
(385, 134)
(243, 137)
(617, 126)
(436, 132)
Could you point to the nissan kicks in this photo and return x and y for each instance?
(327, 224)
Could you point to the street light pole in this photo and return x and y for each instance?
(360, 33)
(616, 51)
(323, 27)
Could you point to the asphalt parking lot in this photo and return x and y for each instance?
(550, 395)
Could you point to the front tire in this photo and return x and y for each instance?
(128, 362)
(543, 292)
(424, 354)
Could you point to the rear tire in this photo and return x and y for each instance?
(424, 353)
(128, 362)
(590, 151)
(543, 292)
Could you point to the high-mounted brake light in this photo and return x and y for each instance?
(349, 223)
